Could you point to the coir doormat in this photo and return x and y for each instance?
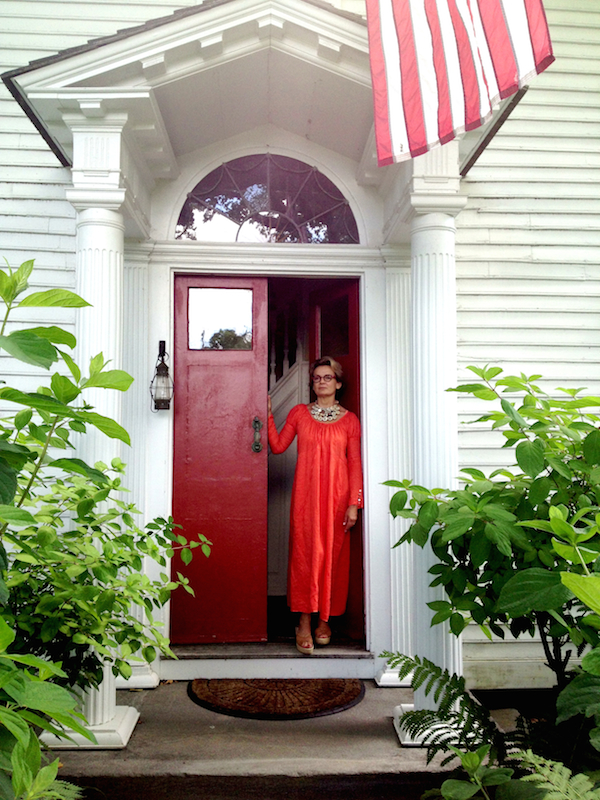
(277, 699)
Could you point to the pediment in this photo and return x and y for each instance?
(208, 73)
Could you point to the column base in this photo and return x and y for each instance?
(111, 735)
(142, 677)
(390, 678)
(405, 739)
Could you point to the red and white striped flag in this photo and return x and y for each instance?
(440, 66)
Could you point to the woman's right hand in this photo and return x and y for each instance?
(269, 407)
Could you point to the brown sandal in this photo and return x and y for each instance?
(306, 651)
(322, 638)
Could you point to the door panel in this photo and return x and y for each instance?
(334, 332)
(219, 481)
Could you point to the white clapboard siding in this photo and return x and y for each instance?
(528, 241)
(528, 267)
(37, 221)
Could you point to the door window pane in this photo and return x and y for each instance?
(220, 319)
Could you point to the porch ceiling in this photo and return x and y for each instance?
(215, 71)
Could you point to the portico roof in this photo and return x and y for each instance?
(210, 72)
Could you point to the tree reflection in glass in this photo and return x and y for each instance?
(219, 319)
(267, 198)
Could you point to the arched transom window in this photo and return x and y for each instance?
(267, 198)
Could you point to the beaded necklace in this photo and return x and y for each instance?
(325, 414)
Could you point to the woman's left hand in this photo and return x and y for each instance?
(350, 517)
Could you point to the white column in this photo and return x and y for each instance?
(398, 315)
(435, 435)
(435, 422)
(136, 415)
(98, 197)
(100, 248)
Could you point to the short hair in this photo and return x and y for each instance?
(327, 361)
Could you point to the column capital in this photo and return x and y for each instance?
(83, 198)
(436, 203)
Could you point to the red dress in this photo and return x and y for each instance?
(328, 479)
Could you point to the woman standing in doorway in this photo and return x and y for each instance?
(326, 496)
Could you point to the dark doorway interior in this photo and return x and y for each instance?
(309, 318)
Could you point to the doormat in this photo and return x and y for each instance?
(277, 698)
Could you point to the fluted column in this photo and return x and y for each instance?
(98, 197)
(100, 328)
(398, 315)
(435, 442)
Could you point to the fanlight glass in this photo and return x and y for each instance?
(267, 198)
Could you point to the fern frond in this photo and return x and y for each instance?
(459, 719)
(61, 790)
(557, 779)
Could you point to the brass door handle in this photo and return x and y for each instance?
(257, 444)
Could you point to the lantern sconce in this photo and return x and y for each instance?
(161, 387)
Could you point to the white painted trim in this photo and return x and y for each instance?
(111, 735)
(166, 259)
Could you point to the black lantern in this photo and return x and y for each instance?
(161, 387)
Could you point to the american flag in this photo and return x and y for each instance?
(439, 67)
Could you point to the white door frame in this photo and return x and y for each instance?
(371, 266)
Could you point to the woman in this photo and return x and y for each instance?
(326, 496)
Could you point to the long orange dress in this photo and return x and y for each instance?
(328, 479)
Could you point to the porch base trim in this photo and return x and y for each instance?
(111, 735)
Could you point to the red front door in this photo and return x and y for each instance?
(220, 479)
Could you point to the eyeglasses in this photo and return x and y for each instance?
(326, 378)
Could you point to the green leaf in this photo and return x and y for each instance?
(591, 447)
(397, 502)
(8, 483)
(16, 516)
(61, 298)
(533, 590)
(428, 514)
(53, 334)
(498, 537)
(81, 468)
(111, 379)
(530, 457)
(48, 698)
(106, 425)
(96, 364)
(574, 555)
(457, 623)
(40, 402)
(560, 467)
(21, 276)
(585, 587)
(458, 790)
(64, 390)
(7, 635)
(539, 490)
(29, 348)
(18, 727)
(149, 653)
(496, 776)
(186, 556)
(45, 778)
(22, 418)
(471, 388)
(73, 368)
(106, 601)
(591, 661)
(417, 534)
(580, 696)
(513, 414)
(457, 525)
(562, 528)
